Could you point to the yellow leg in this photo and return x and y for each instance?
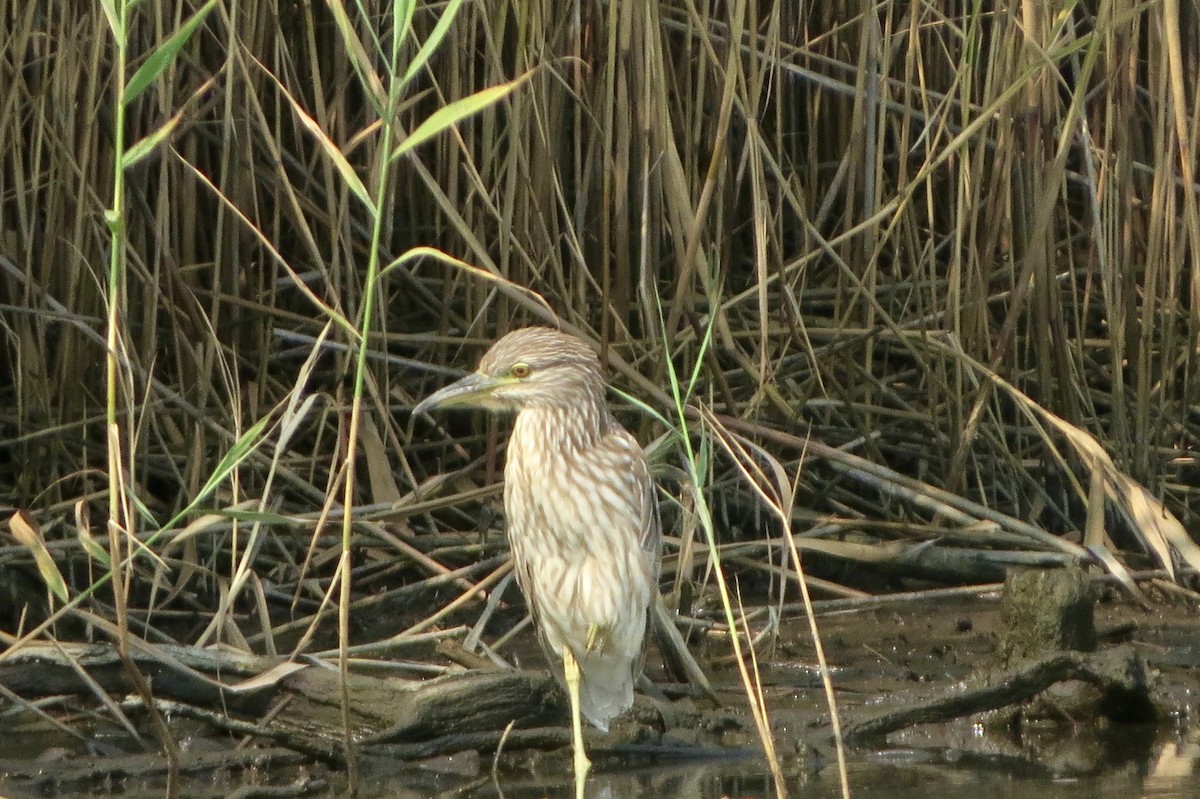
(582, 764)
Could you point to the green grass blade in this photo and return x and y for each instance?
(402, 14)
(164, 55)
(359, 58)
(110, 13)
(345, 170)
(455, 112)
(146, 145)
(241, 449)
(431, 44)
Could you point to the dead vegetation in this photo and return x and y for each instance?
(918, 287)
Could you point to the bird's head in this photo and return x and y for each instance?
(534, 367)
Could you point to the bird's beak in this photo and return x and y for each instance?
(473, 390)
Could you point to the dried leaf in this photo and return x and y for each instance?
(268, 678)
(379, 466)
(29, 535)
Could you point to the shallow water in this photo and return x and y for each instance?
(893, 774)
(879, 656)
(1168, 772)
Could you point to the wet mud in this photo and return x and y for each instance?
(1122, 699)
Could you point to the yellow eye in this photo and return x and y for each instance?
(520, 370)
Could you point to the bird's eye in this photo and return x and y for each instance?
(520, 370)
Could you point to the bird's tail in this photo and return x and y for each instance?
(605, 686)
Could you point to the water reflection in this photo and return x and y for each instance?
(1164, 769)
(908, 774)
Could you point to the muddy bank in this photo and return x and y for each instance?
(937, 674)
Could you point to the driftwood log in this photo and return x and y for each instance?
(296, 705)
(1118, 675)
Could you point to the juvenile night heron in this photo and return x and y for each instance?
(582, 517)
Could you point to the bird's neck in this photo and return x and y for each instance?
(552, 429)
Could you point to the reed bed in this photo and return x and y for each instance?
(925, 274)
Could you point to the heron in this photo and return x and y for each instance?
(582, 517)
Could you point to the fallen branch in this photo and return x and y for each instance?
(1119, 674)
